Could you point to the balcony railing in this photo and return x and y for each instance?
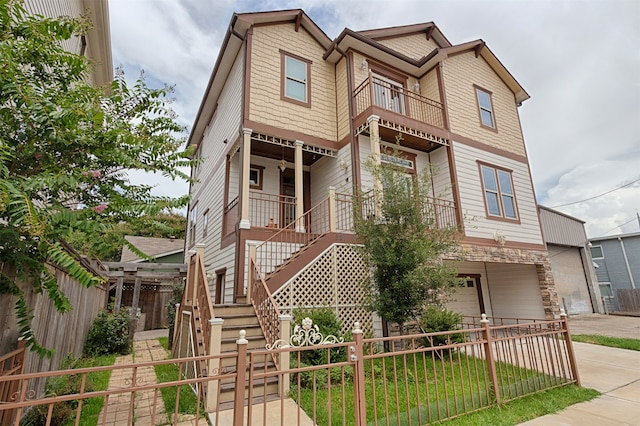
(382, 94)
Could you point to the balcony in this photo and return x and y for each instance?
(417, 117)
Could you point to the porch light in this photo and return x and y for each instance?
(416, 87)
(364, 64)
(282, 165)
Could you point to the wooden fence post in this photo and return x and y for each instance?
(356, 354)
(570, 353)
(285, 335)
(241, 374)
(213, 369)
(488, 353)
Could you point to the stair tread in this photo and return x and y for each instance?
(256, 400)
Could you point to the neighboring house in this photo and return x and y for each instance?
(289, 116)
(95, 44)
(162, 250)
(618, 271)
(573, 269)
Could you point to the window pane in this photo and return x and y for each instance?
(596, 252)
(509, 207)
(492, 203)
(295, 90)
(505, 182)
(296, 69)
(489, 179)
(486, 117)
(605, 290)
(484, 100)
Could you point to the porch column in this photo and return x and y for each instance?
(299, 187)
(244, 178)
(374, 139)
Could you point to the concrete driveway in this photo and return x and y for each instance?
(605, 325)
(614, 372)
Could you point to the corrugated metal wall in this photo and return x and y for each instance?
(562, 230)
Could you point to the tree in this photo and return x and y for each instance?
(109, 248)
(65, 149)
(403, 244)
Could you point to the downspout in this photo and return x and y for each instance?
(626, 262)
(355, 165)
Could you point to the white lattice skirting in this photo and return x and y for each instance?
(335, 280)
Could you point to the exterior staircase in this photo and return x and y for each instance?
(242, 316)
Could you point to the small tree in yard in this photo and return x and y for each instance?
(65, 149)
(403, 245)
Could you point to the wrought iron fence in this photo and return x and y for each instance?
(418, 379)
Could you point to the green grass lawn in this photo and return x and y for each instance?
(444, 389)
(98, 381)
(614, 342)
(168, 373)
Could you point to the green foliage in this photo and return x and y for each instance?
(614, 342)
(109, 334)
(63, 412)
(404, 244)
(328, 325)
(161, 225)
(65, 150)
(178, 289)
(436, 319)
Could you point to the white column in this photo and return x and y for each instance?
(215, 345)
(285, 335)
(244, 178)
(299, 186)
(374, 139)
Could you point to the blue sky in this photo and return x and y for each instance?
(579, 61)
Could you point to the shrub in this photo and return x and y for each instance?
(177, 290)
(109, 334)
(435, 319)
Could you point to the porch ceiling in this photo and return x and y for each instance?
(279, 148)
(410, 138)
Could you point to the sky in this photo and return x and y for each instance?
(579, 61)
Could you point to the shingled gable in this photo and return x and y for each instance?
(366, 42)
(152, 247)
(236, 33)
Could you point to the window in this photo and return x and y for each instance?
(192, 224)
(606, 290)
(296, 76)
(255, 177)
(596, 252)
(499, 196)
(485, 107)
(205, 222)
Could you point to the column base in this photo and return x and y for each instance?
(244, 224)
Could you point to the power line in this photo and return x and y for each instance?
(600, 195)
(613, 229)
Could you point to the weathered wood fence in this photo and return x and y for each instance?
(628, 299)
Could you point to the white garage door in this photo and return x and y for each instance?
(515, 291)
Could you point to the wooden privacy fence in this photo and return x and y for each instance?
(11, 364)
(323, 380)
(628, 299)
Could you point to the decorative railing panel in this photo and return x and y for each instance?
(265, 307)
(380, 93)
(230, 216)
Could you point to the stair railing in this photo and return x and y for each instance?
(282, 246)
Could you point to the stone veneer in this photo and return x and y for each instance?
(475, 253)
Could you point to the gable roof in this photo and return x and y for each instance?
(362, 41)
(152, 247)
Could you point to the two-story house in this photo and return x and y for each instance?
(287, 122)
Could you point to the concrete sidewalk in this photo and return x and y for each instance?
(613, 372)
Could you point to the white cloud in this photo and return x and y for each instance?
(580, 62)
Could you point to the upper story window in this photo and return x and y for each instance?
(205, 222)
(485, 108)
(255, 177)
(296, 76)
(193, 217)
(499, 195)
(596, 252)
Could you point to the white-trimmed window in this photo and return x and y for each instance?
(193, 218)
(596, 252)
(255, 177)
(499, 195)
(296, 76)
(485, 108)
(606, 290)
(205, 222)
